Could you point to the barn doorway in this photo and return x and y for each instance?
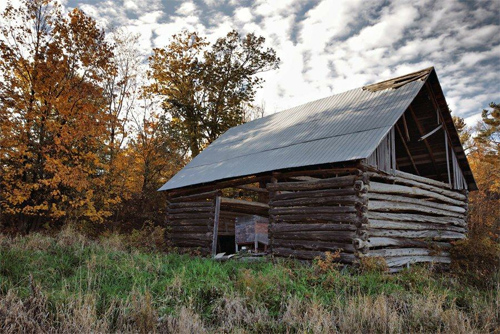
(240, 224)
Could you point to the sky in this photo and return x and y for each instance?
(330, 46)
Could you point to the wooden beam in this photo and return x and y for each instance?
(415, 184)
(447, 141)
(304, 178)
(233, 183)
(351, 169)
(195, 197)
(249, 188)
(263, 194)
(334, 182)
(216, 225)
(438, 111)
(407, 132)
(407, 149)
(422, 179)
(239, 202)
(422, 132)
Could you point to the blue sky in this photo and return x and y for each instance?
(330, 46)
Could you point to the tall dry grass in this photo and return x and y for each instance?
(110, 288)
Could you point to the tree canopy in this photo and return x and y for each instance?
(54, 121)
(78, 142)
(205, 87)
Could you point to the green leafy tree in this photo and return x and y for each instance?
(206, 88)
(463, 132)
(489, 130)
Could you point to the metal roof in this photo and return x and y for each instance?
(342, 127)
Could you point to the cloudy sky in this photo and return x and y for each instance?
(329, 46)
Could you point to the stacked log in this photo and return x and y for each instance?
(190, 221)
(412, 219)
(310, 217)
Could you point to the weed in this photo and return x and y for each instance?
(66, 284)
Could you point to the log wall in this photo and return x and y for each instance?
(411, 219)
(309, 218)
(190, 221)
(363, 211)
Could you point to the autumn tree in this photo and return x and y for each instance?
(484, 159)
(486, 167)
(151, 158)
(477, 258)
(121, 91)
(122, 86)
(489, 130)
(54, 121)
(205, 87)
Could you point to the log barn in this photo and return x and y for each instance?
(377, 171)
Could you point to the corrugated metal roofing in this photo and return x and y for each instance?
(342, 127)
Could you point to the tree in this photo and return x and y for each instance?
(489, 130)
(463, 132)
(150, 158)
(121, 90)
(484, 158)
(206, 87)
(54, 119)
(122, 86)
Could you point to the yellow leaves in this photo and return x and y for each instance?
(53, 154)
(18, 196)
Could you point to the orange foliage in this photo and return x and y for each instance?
(54, 121)
(484, 206)
(67, 101)
(477, 258)
(484, 158)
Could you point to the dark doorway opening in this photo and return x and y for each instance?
(226, 244)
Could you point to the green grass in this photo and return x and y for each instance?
(70, 270)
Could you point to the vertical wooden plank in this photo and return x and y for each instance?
(407, 150)
(407, 132)
(447, 157)
(429, 150)
(216, 225)
(166, 235)
(393, 150)
(270, 233)
(263, 197)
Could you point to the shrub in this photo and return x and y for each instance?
(329, 262)
(149, 237)
(476, 260)
(372, 265)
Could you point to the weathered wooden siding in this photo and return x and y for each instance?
(190, 221)
(359, 209)
(411, 219)
(308, 218)
(384, 157)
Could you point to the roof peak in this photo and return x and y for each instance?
(400, 81)
(393, 83)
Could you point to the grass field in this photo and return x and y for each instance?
(68, 283)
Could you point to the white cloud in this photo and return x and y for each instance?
(243, 14)
(151, 17)
(337, 45)
(389, 30)
(187, 9)
(129, 4)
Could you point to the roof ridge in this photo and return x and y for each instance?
(400, 81)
